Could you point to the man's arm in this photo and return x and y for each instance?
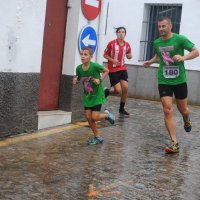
(191, 55)
(149, 62)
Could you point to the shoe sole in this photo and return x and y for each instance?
(95, 143)
(169, 150)
(188, 129)
(121, 113)
(112, 122)
(124, 114)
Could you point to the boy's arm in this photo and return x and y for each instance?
(106, 56)
(129, 56)
(104, 74)
(76, 79)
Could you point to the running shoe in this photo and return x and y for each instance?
(91, 141)
(106, 92)
(110, 117)
(99, 140)
(123, 112)
(187, 124)
(174, 148)
(95, 140)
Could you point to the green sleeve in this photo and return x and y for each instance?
(99, 67)
(186, 43)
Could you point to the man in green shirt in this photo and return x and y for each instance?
(169, 52)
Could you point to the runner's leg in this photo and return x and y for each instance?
(169, 117)
(98, 116)
(92, 123)
(181, 92)
(182, 105)
(116, 89)
(124, 95)
(115, 83)
(124, 86)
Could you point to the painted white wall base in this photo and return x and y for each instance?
(47, 119)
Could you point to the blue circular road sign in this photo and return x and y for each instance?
(88, 37)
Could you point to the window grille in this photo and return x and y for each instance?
(152, 13)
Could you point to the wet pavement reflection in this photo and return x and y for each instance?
(130, 165)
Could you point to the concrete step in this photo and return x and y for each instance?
(47, 119)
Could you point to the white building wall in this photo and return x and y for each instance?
(21, 35)
(75, 22)
(129, 13)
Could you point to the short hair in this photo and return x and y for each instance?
(118, 28)
(164, 18)
(88, 48)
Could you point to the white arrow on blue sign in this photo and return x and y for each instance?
(88, 37)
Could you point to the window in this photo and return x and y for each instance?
(152, 12)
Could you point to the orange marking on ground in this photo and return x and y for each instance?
(91, 192)
(104, 191)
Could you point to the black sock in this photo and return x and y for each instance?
(122, 104)
(186, 118)
(107, 92)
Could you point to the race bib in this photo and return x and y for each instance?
(171, 71)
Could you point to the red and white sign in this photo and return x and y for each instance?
(91, 8)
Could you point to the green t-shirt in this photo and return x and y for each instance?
(93, 94)
(169, 71)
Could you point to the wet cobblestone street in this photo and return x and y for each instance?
(56, 164)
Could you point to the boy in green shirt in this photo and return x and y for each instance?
(169, 51)
(90, 74)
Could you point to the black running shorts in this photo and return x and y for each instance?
(94, 108)
(116, 77)
(180, 91)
